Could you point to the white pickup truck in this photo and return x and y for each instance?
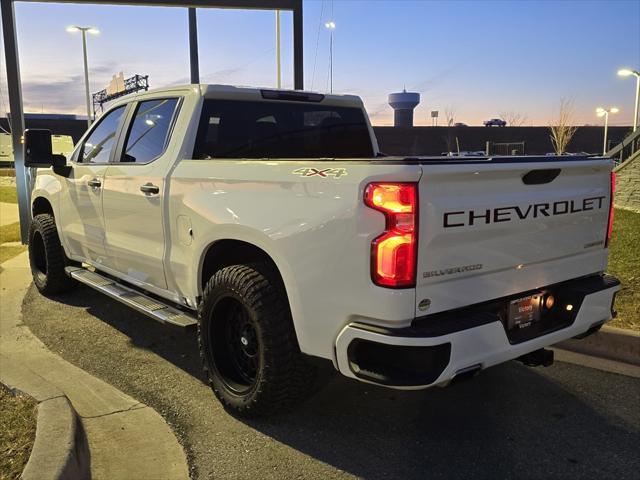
(271, 221)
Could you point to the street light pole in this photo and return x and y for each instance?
(84, 31)
(278, 61)
(605, 113)
(86, 76)
(606, 128)
(625, 72)
(331, 26)
(635, 114)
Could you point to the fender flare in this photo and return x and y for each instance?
(269, 247)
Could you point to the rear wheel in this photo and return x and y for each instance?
(46, 256)
(247, 342)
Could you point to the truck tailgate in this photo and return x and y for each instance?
(490, 230)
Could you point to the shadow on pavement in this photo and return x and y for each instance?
(174, 344)
(509, 422)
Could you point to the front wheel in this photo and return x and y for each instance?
(46, 256)
(247, 342)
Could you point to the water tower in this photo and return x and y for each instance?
(403, 104)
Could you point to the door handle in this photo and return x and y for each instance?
(150, 188)
(94, 183)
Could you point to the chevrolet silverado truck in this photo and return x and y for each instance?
(269, 220)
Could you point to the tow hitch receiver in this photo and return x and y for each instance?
(542, 357)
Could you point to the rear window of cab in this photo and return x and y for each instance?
(265, 129)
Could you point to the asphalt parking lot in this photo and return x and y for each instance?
(565, 421)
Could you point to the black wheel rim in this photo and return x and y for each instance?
(236, 347)
(38, 254)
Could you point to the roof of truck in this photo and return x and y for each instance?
(248, 93)
(214, 88)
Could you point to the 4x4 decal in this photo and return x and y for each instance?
(324, 173)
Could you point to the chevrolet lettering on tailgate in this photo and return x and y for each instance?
(511, 213)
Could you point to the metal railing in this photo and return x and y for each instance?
(510, 148)
(628, 147)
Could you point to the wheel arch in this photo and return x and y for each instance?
(225, 252)
(228, 251)
(41, 205)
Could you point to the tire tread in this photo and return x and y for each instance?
(289, 377)
(56, 280)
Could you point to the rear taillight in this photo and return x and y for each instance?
(393, 254)
(610, 224)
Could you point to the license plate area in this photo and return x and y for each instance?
(524, 312)
(539, 312)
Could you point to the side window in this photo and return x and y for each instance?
(97, 147)
(209, 135)
(149, 132)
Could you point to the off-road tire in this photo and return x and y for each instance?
(283, 376)
(46, 256)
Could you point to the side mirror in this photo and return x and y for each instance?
(38, 151)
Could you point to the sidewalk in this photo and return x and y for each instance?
(126, 438)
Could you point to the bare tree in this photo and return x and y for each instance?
(563, 128)
(513, 119)
(449, 114)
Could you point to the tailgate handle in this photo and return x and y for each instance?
(539, 177)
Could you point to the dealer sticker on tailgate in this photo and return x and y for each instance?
(523, 311)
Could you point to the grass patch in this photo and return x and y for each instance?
(17, 433)
(8, 194)
(10, 233)
(624, 263)
(7, 253)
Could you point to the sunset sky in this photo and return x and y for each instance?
(479, 58)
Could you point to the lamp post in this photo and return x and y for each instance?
(331, 26)
(625, 72)
(278, 61)
(84, 30)
(602, 112)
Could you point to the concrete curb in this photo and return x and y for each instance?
(611, 343)
(60, 451)
(87, 424)
(598, 363)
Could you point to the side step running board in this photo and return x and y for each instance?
(151, 307)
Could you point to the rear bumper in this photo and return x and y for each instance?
(434, 350)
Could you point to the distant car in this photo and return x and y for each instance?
(460, 124)
(575, 154)
(495, 122)
(6, 149)
(62, 144)
(464, 153)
